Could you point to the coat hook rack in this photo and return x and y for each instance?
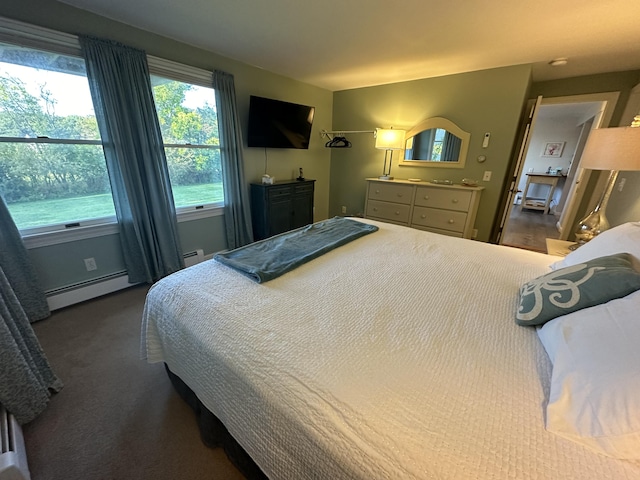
(331, 133)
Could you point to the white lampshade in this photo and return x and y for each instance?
(612, 149)
(390, 139)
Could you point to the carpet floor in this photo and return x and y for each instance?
(117, 416)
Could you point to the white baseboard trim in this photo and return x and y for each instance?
(71, 295)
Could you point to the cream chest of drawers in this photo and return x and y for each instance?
(446, 209)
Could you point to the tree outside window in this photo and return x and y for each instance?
(189, 125)
(52, 167)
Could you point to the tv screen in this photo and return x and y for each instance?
(278, 124)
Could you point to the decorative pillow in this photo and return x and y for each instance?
(623, 238)
(593, 399)
(576, 287)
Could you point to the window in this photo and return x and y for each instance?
(53, 174)
(189, 124)
(52, 168)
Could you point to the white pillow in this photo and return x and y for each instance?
(595, 384)
(620, 239)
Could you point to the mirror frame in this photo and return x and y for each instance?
(439, 122)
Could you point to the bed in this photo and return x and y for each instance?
(396, 355)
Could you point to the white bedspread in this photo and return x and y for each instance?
(393, 357)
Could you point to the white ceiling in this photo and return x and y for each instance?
(342, 44)
(576, 112)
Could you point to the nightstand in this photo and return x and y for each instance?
(557, 247)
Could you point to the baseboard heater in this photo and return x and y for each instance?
(194, 257)
(96, 287)
(13, 455)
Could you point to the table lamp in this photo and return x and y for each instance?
(612, 149)
(389, 140)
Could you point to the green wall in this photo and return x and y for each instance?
(478, 102)
(61, 265)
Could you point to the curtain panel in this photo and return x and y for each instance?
(26, 378)
(123, 100)
(237, 214)
(18, 269)
(451, 147)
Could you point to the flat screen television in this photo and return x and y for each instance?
(279, 124)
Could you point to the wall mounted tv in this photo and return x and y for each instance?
(278, 124)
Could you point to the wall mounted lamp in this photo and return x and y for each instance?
(389, 140)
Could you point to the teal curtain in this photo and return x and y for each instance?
(26, 378)
(18, 269)
(451, 147)
(237, 214)
(132, 141)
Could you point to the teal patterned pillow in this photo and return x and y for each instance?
(574, 288)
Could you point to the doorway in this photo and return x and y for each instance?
(548, 183)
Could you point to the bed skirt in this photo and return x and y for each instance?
(214, 434)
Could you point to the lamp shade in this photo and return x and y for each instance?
(390, 139)
(612, 149)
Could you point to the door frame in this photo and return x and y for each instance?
(577, 188)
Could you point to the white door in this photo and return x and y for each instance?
(532, 107)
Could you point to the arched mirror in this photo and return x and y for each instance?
(436, 142)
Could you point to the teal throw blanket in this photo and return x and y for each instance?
(269, 258)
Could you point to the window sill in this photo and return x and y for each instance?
(187, 214)
(38, 240)
(46, 239)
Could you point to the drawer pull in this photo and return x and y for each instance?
(375, 209)
(426, 197)
(400, 195)
(423, 216)
(455, 200)
(377, 191)
(451, 221)
(397, 212)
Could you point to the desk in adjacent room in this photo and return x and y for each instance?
(543, 179)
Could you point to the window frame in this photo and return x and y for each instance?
(40, 38)
(194, 76)
(37, 38)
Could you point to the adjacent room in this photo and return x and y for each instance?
(320, 240)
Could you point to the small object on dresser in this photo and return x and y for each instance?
(268, 180)
(414, 179)
(469, 182)
(442, 182)
(300, 177)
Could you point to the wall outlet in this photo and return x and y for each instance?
(90, 263)
(487, 176)
(344, 209)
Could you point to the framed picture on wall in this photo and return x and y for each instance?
(553, 149)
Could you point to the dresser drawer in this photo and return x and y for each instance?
(276, 193)
(390, 192)
(303, 188)
(441, 219)
(443, 198)
(392, 212)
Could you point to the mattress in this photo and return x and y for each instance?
(394, 356)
